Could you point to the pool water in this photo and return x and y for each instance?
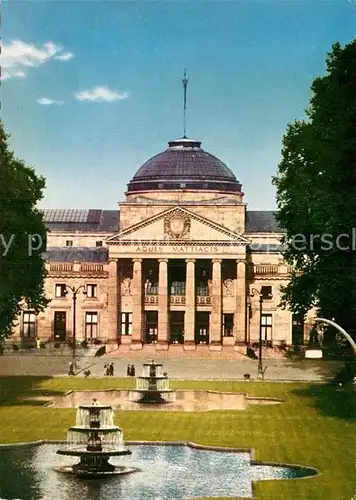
(167, 472)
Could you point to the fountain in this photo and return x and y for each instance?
(152, 386)
(95, 438)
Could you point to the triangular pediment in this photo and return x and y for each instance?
(178, 224)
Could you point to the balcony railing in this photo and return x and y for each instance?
(266, 270)
(61, 267)
(151, 300)
(92, 268)
(177, 300)
(203, 300)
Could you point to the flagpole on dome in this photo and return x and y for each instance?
(185, 85)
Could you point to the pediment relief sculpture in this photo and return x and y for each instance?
(177, 226)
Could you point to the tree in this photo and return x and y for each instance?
(22, 238)
(316, 195)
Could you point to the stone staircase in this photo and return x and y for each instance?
(174, 351)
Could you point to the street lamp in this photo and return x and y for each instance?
(74, 297)
(262, 296)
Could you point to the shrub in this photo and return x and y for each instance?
(84, 344)
(251, 353)
(57, 345)
(347, 373)
(42, 345)
(15, 347)
(97, 341)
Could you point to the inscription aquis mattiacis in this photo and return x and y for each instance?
(177, 249)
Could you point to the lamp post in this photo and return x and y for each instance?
(261, 298)
(74, 297)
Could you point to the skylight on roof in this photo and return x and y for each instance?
(66, 215)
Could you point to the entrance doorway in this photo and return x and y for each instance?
(60, 326)
(202, 327)
(298, 329)
(177, 327)
(151, 327)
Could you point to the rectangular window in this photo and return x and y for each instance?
(91, 291)
(126, 323)
(60, 290)
(266, 322)
(228, 326)
(266, 292)
(59, 325)
(69, 243)
(99, 244)
(29, 324)
(91, 325)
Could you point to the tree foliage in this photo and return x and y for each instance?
(316, 195)
(22, 238)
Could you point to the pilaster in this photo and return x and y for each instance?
(112, 333)
(240, 312)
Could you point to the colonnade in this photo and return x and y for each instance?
(190, 307)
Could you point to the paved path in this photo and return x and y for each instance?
(281, 369)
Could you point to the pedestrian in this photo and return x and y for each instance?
(128, 371)
(105, 369)
(111, 369)
(71, 369)
(133, 371)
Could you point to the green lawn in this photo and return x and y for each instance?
(316, 426)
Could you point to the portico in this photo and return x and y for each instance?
(180, 291)
(181, 301)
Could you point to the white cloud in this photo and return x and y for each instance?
(101, 94)
(66, 56)
(44, 101)
(18, 56)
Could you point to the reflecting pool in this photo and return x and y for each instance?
(167, 472)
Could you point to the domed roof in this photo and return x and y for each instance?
(184, 165)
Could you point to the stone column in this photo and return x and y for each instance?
(137, 306)
(216, 310)
(240, 312)
(112, 333)
(163, 305)
(189, 317)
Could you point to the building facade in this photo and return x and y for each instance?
(181, 263)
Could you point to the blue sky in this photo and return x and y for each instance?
(114, 71)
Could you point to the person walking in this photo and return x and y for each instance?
(71, 368)
(128, 371)
(133, 371)
(111, 369)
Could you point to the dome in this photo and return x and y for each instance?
(184, 165)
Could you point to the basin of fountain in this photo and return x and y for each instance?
(94, 439)
(168, 471)
(152, 386)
